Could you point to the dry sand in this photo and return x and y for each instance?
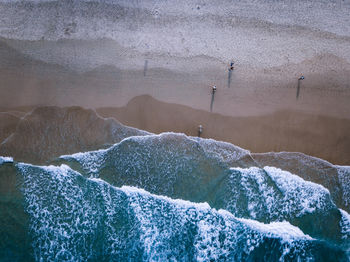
(253, 91)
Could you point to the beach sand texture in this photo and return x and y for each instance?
(104, 54)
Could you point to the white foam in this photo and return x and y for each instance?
(134, 190)
(210, 223)
(344, 179)
(68, 211)
(283, 230)
(91, 161)
(226, 152)
(172, 145)
(5, 159)
(53, 197)
(288, 196)
(311, 195)
(345, 225)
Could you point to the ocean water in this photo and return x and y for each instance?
(167, 197)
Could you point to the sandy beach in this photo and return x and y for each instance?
(252, 91)
(174, 130)
(153, 67)
(259, 111)
(321, 136)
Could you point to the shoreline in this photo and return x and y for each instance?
(317, 135)
(320, 136)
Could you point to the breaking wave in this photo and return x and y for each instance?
(168, 197)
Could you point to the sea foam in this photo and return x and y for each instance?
(76, 218)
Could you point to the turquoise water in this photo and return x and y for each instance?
(168, 198)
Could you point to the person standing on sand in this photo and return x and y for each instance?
(200, 130)
(230, 69)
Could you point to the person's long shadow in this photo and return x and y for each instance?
(299, 84)
(298, 89)
(212, 101)
(229, 78)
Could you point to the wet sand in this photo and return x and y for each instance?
(48, 132)
(292, 131)
(321, 136)
(8, 124)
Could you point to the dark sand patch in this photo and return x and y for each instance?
(49, 132)
(8, 124)
(321, 136)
